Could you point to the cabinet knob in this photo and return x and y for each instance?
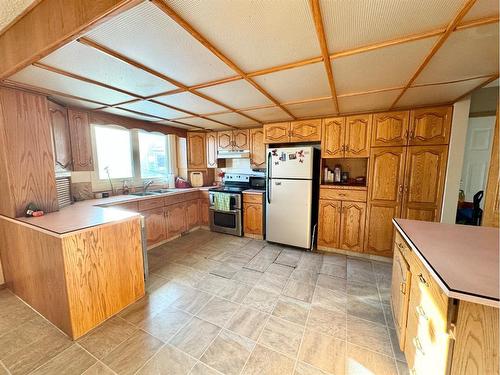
(421, 312)
(422, 279)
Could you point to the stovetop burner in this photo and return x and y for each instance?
(229, 189)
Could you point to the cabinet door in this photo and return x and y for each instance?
(60, 133)
(400, 293)
(352, 226)
(241, 139)
(196, 150)
(430, 126)
(203, 205)
(329, 223)
(257, 148)
(277, 133)
(385, 195)
(390, 129)
(492, 194)
(212, 150)
(225, 140)
(357, 136)
(176, 219)
(333, 137)
(155, 225)
(424, 182)
(192, 214)
(305, 131)
(81, 145)
(252, 218)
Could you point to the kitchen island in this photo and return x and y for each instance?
(445, 297)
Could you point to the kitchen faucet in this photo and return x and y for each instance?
(147, 184)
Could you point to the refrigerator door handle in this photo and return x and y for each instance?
(268, 185)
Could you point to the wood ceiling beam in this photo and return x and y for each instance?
(195, 34)
(489, 80)
(320, 33)
(437, 45)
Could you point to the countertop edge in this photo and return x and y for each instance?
(442, 284)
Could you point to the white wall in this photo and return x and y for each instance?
(456, 149)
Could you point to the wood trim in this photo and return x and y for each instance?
(491, 199)
(478, 22)
(491, 79)
(40, 31)
(449, 29)
(320, 33)
(195, 34)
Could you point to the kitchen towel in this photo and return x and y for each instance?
(222, 201)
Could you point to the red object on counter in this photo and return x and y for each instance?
(181, 183)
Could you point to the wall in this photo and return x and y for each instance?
(235, 166)
(459, 126)
(484, 102)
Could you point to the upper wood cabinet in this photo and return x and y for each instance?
(211, 149)
(225, 140)
(430, 126)
(277, 133)
(332, 137)
(352, 226)
(390, 129)
(81, 144)
(329, 223)
(234, 140)
(346, 137)
(196, 150)
(305, 131)
(257, 148)
(60, 134)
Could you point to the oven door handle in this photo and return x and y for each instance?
(229, 212)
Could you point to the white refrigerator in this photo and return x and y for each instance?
(289, 199)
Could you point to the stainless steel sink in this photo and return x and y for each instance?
(162, 191)
(143, 194)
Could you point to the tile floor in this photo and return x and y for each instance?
(219, 304)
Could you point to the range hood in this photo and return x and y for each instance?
(233, 154)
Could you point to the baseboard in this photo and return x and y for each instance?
(355, 254)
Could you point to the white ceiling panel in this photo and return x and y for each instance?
(88, 62)
(270, 114)
(482, 9)
(147, 35)
(254, 34)
(381, 68)
(235, 119)
(38, 77)
(368, 102)
(154, 109)
(312, 109)
(190, 102)
(121, 112)
(237, 94)
(437, 94)
(71, 102)
(467, 53)
(306, 82)
(201, 122)
(175, 125)
(350, 24)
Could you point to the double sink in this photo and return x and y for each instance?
(153, 192)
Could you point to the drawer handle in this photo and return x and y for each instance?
(400, 245)
(403, 288)
(422, 280)
(342, 194)
(421, 312)
(418, 345)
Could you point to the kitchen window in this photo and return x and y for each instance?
(153, 155)
(113, 147)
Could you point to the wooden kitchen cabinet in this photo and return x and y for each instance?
(203, 207)
(305, 131)
(60, 134)
(155, 225)
(332, 137)
(234, 140)
(253, 215)
(357, 136)
(81, 143)
(390, 129)
(277, 133)
(211, 147)
(196, 150)
(192, 214)
(176, 219)
(430, 126)
(352, 226)
(225, 140)
(257, 148)
(400, 293)
(329, 223)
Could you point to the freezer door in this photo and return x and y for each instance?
(290, 162)
(288, 212)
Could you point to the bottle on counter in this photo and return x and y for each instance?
(337, 172)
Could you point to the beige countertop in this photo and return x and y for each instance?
(464, 260)
(93, 212)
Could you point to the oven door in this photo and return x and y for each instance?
(228, 222)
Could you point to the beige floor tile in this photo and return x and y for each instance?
(289, 258)
(24, 335)
(369, 335)
(13, 313)
(195, 337)
(73, 360)
(282, 336)
(248, 322)
(330, 322)
(338, 259)
(388, 316)
(259, 263)
(291, 309)
(193, 301)
(323, 352)
(334, 270)
(299, 290)
(271, 282)
(145, 308)
(166, 323)
(398, 354)
(3, 369)
(37, 353)
(330, 299)
(107, 337)
(305, 369)
(234, 291)
(228, 353)
(360, 361)
(248, 276)
(264, 361)
(362, 290)
(261, 299)
(305, 276)
(360, 275)
(168, 360)
(213, 284)
(226, 270)
(201, 369)
(365, 309)
(133, 353)
(333, 283)
(154, 282)
(98, 368)
(218, 311)
(402, 368)
(279, 269)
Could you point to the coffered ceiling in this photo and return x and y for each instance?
(229, 64)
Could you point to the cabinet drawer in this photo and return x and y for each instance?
(177, 198)
(403, 247)
(343, 195)
(253, 198)
(149, 204)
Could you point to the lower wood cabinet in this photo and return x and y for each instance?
(176, 219)
(400, 291)
(203, 205)
(156, 230)
(253, 215)
(329, 223)
(192, 214)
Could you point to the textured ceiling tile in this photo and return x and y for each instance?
(368, 102)
(190, 102)
(154, 109)
(233, 118)
(311, 109)
(207, 124)
(120, 112)
(270, 114)
(237, 94)
(482, 9)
